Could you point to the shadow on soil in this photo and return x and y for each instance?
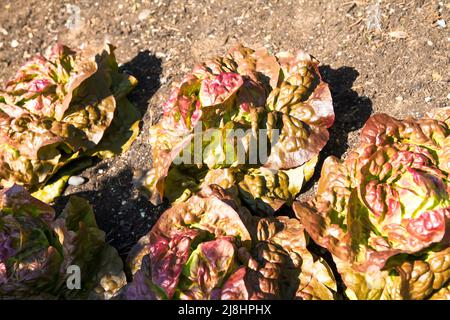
(351, 113)
(146, 67)
(121, 211)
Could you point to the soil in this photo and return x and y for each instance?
(394, 60)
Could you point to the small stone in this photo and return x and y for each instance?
(448, 96)
(101, 171)
(430, 43)
(76, 180)
(144, 14)
(427, 99)
(160, 55)
(3, 31)
(399, 98)
(398, 34)
(142, 213)
(436, 76)
(441, 23)
(123, 202)
(14, 43)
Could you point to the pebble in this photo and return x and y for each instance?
(144, 14)
(160, 55)
(76, 180)
(441, 23)
(124, 202)
(448, 96)
(427, 99)
(3, 31)
(101, 171)
(14, 43)
(142, 213)
(436, 76)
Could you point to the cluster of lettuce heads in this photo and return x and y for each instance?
(383, 213)
(58, 112)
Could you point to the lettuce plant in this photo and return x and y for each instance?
(210, 247)
(37, 250)
(59, 108)
(384, 212)
(245, 100)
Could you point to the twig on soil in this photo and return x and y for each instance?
(172, 28)
(356, 23)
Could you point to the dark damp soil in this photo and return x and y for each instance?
(394, 59)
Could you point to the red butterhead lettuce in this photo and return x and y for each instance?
(37, 250)
(247, 99)
(384, 212)
(60, 108)
(209, 247)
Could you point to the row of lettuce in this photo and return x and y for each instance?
(58, 113)
(383, 212)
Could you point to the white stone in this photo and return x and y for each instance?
(76, 180)
(144, 14)
(441, 23)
